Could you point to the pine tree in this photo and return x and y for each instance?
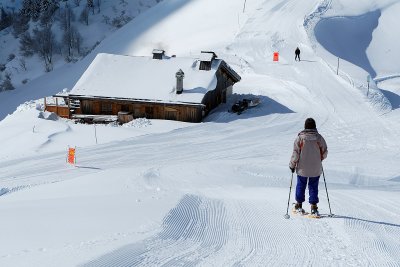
(48, 9)
(26, 8)
(5, 19)
(20, 25)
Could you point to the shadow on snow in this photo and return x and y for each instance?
(366, 221)
(393, 98)
(349, 37)
(266, 107)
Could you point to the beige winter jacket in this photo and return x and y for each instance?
(309, 151)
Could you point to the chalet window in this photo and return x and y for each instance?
(106, 108)
(206, 58)
(125, 108)
(205, 65)
(87, 107)
(158, 54)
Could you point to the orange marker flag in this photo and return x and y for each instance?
(276, 56)
(71, 156)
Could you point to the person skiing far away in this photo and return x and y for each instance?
(297, 53)
(309, 151)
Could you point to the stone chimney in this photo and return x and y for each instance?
(179, 81)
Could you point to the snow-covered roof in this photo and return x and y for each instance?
(206, 56)
(144, 78)
(158, 51)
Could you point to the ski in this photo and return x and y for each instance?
(313, 216)
(306, 214)
(295, 212)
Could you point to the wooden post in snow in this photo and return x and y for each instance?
(69, 108)
(337, 71)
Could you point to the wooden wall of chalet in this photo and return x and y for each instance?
(187, 113)
(61, 111)
(224, 88)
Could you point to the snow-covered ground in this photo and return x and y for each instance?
(155, 193)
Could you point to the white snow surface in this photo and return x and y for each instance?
(166, 193)
(146, 78)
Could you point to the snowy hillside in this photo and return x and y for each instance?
(84, 33)
(164, 193)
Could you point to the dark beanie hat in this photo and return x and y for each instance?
(310, 124)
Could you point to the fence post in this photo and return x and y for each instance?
(337, 71)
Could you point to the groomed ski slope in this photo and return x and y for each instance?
(214, 194)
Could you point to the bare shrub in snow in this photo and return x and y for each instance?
(10, 57)
(137, 123)
(121, 20)
(22, 63)
(7, 84)
(77, 2)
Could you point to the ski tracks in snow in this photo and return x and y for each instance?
(192, 231)
(203, 231)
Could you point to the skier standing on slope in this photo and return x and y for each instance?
(309, 151)
(297, 53)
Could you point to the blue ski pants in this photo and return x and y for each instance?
(312, 189)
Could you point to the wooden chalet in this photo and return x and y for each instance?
(158, 87)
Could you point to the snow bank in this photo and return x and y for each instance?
(349, 37)
(137, 123)
(384, 52)
(4, 191)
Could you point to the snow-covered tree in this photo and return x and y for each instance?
(45, 43)
(98, 4)
(27, 45)
(20, 24)
(90, 5)
(84, 17)
(67, 16)
(48, 9)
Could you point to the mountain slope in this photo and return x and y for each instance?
(214, 193)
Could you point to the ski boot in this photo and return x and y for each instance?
(299, 209)
(314, 210)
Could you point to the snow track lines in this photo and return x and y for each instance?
(203, 231)
(192, 231)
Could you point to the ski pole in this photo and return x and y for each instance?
(327, 195)
(287, 216)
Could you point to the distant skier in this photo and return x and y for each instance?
(309, 151)
(297, 53)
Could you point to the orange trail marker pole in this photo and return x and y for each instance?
(71, 156)
(276, 56)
